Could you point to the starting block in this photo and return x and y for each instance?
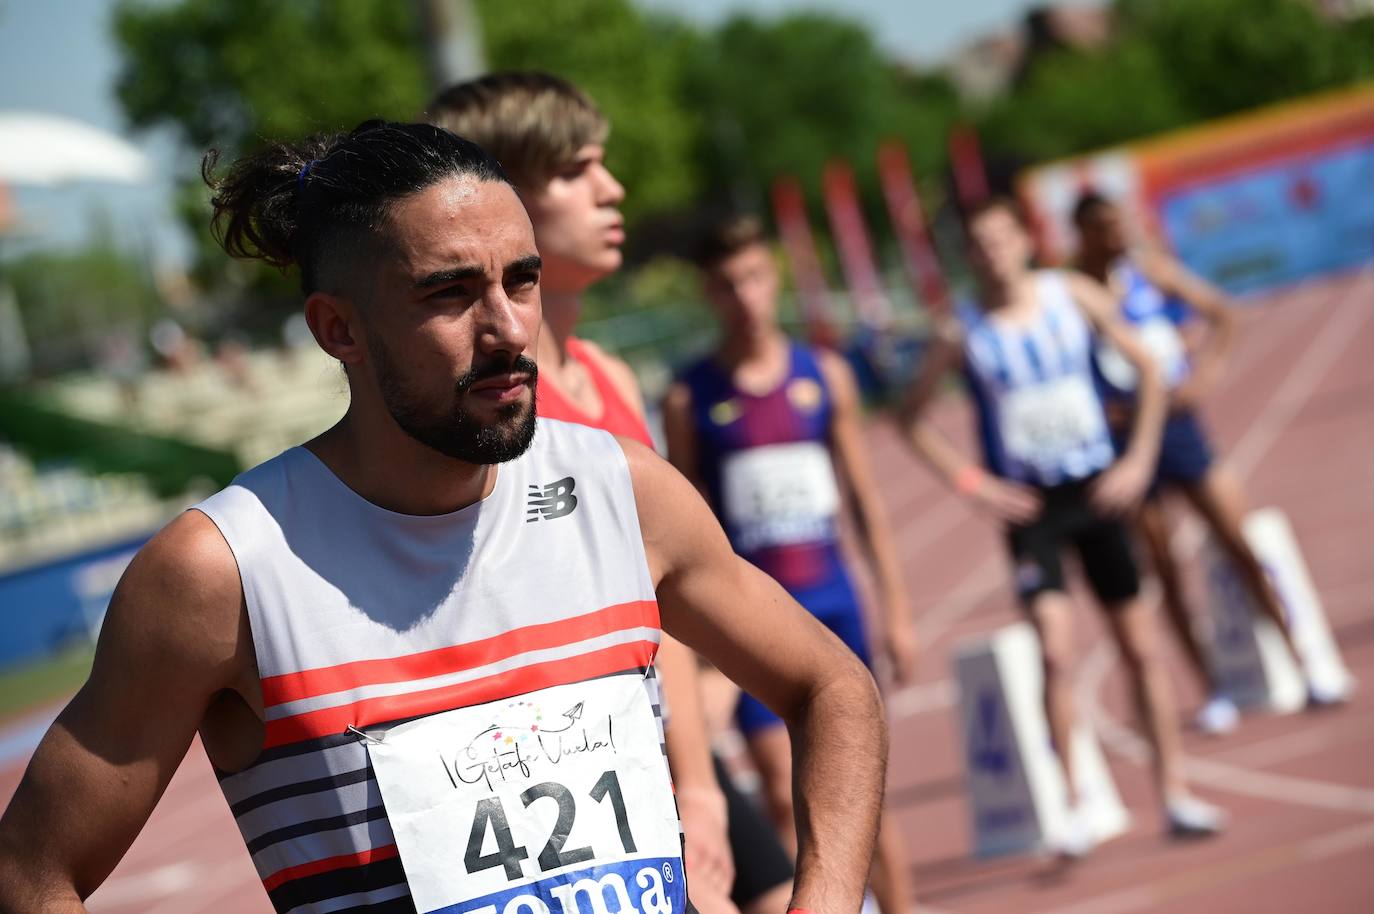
(1249, 658)
(1016, 789)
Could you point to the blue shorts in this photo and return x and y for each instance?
(1185, 456)
(836, 605)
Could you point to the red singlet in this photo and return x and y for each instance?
(617, 416)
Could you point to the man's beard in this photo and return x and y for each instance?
(457, 433)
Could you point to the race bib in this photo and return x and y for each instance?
(555, 802)
(1162, 343)
(1043, 423)
(779, 494)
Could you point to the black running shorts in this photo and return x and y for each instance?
(1068, 519)
(761, 862)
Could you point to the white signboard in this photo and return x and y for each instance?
(1250, 660)
(1016, 788)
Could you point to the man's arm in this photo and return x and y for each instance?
(1122, 485)
(1212, 304)
(1004, 500)
(846, 436)
(174, 637)
(746, 624)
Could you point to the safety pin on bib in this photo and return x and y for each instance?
(365, 737)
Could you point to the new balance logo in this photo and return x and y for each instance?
(553, 500)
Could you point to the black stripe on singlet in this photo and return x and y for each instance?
(315, 825)
(404, 905)
(300, 788)
(367, 877)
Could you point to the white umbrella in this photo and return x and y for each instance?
(41, 149)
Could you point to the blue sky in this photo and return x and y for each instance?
(56, 56)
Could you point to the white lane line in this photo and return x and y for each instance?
(225, 879)
(1301, 382)
(1221, 776)
(918, 699)
(1167, 893)
(1288, 746)
(148, 886)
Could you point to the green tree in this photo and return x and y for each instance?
(229, 73)
(70, 300)
(786, 95)
(629, 64)
(1072, 101)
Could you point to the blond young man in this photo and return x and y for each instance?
(550, 138)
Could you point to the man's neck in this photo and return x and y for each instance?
(998, 294)
(561, 311)
(746, 349)
(383, 464)
(1096, 263)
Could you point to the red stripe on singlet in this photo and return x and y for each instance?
(277, 690)
(370, 711)
(329, 864)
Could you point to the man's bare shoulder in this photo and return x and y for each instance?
(184, 581)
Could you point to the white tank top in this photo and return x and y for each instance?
(364, 618)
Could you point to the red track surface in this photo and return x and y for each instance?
(1294, 416)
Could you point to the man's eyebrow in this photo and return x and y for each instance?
(531, 263)
(454, 274)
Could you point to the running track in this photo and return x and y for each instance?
(1294, 416)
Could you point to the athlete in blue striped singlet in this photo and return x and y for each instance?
(770, 431)
(1147, 283)
(1053, 477)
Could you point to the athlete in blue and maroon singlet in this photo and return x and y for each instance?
(769, 430)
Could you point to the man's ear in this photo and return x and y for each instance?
(336, 323)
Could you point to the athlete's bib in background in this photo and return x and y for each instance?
(1162, 344)
(779, 494)
(555, 802)
(1043, 422)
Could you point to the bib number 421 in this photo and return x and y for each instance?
(490, 816)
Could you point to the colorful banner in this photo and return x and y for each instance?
(789, 208)
(1305, 217)
(1250, 202)
(909, 223)
(866, 293)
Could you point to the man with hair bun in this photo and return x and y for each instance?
(770, 431)
(550, 137)
(418, 649)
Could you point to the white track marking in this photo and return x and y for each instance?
(223, 880)
(918, 699)
(1168, 892)
(143, 888)
(1219, 775)
(1288, 746)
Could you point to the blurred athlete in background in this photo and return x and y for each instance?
(550, 137)
(1052, 476)
(1146, 283)
(770, 430)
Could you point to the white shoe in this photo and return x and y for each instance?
(1219, 716)
(1076, 838)
(1325, 694)
(1189, 817)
